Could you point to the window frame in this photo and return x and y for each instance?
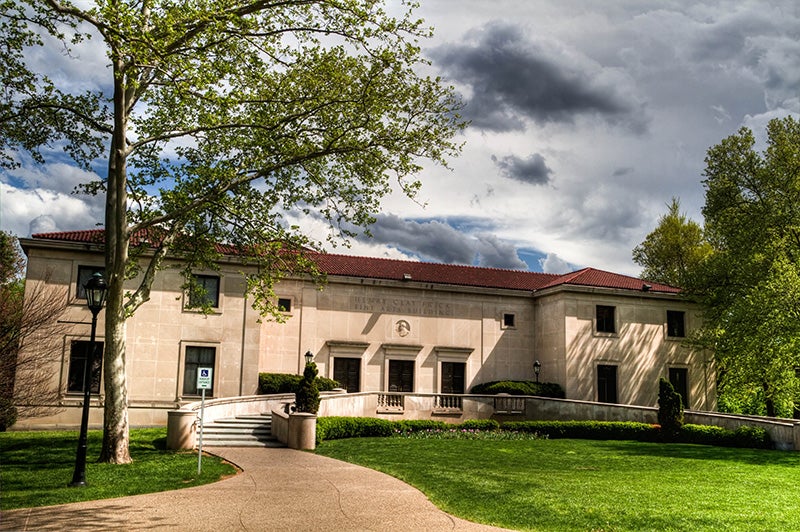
(285, 309)
(97, 373)
(681, 329)
(216, 300)
(184, 374)
(606, 321)
(508, 320)
(406, 363)
(83, 274)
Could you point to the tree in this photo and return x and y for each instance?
(307, 396)
(23, 379)
(218, 119)
(750, 285)
(670, 409)
(673, 250)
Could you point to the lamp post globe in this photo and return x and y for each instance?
(537, 368)
(95, 297)
(309, 357)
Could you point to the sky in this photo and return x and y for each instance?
(586, 119)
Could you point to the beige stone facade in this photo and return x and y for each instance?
(380, 331)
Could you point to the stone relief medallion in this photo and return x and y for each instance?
(403, 328)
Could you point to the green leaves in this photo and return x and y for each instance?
(751, 284)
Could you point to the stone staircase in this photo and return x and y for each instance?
(242, 431)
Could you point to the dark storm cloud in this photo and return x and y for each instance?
(532, 170)
(437, 241)
(512, 79)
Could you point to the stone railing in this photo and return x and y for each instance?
(456, 408)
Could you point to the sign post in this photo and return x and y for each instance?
(203, 383)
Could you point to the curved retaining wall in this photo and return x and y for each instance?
(182, 423)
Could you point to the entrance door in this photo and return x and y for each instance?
(679, 379)
(453, 377)
(347, 372)
(606, 383)
(401, 375)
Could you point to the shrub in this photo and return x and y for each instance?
(416, 425)
(307, 395)
(337, 428)
(8, 414)
(480, 424)
(271, 383)
(745, 436)
(670, 409)
(541, 389)
(587, 430)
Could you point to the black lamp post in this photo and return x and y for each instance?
(309, 357)
(537, 368)
(95, 297)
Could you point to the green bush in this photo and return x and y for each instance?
(479, 424)
(541, 389)
(337, 428)
(307, 395)
(670, 410)
(750, 437)
(587, 430)
(272, 383)
(8, 414)
(416, 425)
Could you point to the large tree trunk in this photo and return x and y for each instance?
(115, 418)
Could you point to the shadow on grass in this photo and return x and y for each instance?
(689, 451)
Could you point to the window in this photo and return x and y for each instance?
(679, 379)
(78, 355)
(197, 357)
(453, 377)
(205, 293)
(284, 304)
(84, 274)
(606, 383)
(509, 321)
(347, 372)
(605, 319)
(401, 375)
(676, 323)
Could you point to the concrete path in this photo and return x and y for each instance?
(279, 489)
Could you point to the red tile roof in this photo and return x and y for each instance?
(435, 273)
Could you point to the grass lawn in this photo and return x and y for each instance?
(591, 485)
(36, 468)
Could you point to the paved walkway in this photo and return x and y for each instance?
(279, 489)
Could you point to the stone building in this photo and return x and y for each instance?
(378, 325)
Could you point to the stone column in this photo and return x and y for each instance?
(181, 429)
(302, 431)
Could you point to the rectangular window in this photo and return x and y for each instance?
(84, 274)
(453, 377)
(676, 323)
(347, 372)
(206, 292)
(401, 375)
(606, 383)
(197, 357)
(284, 304)
(679, 379)
(78, 355)
(509, 321)
(605, 319)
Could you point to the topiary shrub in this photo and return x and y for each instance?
(587, 430)
(8, 414)
(670, 410)
(541, 389)
(307, 395)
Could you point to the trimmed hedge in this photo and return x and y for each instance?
(271, 383)
(750, 437)
(542, 389)
(335, 428)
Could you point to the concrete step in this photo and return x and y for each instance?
(242, 431)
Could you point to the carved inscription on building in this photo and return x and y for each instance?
(394, 305)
